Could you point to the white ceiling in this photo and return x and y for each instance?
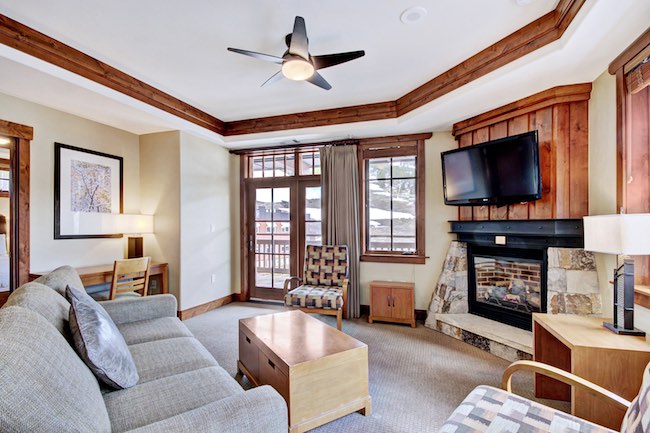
(182, 50)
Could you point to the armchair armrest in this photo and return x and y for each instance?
(287, 283)
(562, 376)
(259, 410)
(128, 310)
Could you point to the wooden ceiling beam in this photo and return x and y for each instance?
(542, 31)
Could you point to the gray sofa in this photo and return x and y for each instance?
(46, 387)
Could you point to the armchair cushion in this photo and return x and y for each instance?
(488, 409)
(326, 265)
(306, 296)
(637, 419)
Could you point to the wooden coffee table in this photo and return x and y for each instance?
(321, 372)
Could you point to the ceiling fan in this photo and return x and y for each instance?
(297, 63)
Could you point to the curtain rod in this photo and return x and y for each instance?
(286, 147)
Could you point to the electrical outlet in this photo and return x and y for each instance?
(213, 278)
(500, 240)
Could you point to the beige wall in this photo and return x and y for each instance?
(205, 209)
(438, 238)
(602, 180)
(160, 196)
(52, 126)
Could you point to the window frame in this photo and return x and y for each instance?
(386, 148)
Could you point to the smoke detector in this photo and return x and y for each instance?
(413, 14)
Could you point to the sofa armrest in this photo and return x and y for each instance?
(259, 410)
(127, 310)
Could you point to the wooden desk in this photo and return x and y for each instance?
(102, 274)
(582, 346)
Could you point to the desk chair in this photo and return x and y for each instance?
(324, 286)
(130, 276)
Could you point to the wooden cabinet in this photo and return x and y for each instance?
(392, 301)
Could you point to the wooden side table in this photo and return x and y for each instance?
(392, 301)
(582, 346)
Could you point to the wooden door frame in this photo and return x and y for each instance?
(19, 209)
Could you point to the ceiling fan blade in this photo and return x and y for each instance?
(322, 62)
(318, 80)
(299, 45)
(260, 56)
(275, 77)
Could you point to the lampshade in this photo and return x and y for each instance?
(627, 234)
(96, 223)
(134, 223)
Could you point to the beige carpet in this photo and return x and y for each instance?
(417, 376)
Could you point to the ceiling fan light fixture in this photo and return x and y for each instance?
(297, 69)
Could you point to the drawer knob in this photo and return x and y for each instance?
(271, 364)
(248, 340)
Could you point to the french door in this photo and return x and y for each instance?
(283, 215)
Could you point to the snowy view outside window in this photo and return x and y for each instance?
(391, 215)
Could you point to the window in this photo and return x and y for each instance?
(392, 195)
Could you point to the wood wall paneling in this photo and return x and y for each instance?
(560, 116)
(527, 39)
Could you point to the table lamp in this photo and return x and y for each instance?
(135, 224)
(626, 235)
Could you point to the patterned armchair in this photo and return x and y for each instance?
(324, 286)
(499, 410)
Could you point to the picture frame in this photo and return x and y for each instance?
(88, 188)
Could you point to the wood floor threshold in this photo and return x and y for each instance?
(542, 31)
(208, 306)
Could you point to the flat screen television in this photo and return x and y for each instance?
(497, 172)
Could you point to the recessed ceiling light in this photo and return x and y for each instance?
(413, 15)
(5, 140)
(524, 2)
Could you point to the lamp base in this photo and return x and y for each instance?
(622, 331)
(135, 248)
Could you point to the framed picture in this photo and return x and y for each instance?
(88, 188)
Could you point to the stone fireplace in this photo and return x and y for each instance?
(541, 268)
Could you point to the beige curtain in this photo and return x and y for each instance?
(340, 210)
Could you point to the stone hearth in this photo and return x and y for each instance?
(572, 288)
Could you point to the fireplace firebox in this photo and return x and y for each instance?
(507, 284)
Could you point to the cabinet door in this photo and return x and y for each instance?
(402, 304)
(381, 301)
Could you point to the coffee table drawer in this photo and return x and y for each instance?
(249, 354)
(270, 374)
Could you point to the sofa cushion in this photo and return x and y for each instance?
(488, 409)
(60, 278)
(99, 342)
(160, 399)
(153, 329)
(45, 386)
(44, 301)
(162, 358)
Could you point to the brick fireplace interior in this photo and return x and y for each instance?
(507, 284)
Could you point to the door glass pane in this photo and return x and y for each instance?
(290, 165)
(316, 163)
(257, 167)
(307, 163)
(279, 166)
(272, 237)
(268, 166)
(313, 223)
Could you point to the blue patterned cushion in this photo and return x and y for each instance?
(326, 265)
(637, 418)
(488, 409)
(329, 298)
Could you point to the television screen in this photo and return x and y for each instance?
(497, 172)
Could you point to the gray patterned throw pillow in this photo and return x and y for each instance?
(98, 341)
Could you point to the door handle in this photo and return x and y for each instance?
(271, 364)
(250, 244)
(388, 298)
(393, 298)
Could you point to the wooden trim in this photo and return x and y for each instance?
(642, 296)
(16, 130)
(36, 44)
(393, 258)
(286, 149)
(20, 213)
(562, 376)
(311, 119)
(538, 101)
(630, 52)
(243, 218)
(3, 297)
(544, 30)
(208, 306)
